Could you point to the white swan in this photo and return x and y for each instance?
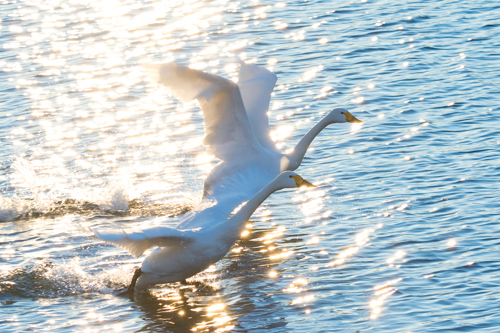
(237, 130)
(183, 253)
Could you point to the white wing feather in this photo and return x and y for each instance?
(208, 212)
(138, 241)
(228, 132)
(256, 85)
(239, 184)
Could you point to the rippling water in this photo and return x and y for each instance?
(400, 235)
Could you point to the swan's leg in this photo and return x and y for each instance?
(131, 288)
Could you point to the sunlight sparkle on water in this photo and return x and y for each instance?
(314, 240)
(86, 134)
(381, 293)
(356, 127)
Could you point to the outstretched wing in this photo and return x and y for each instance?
(138, 241)
(227, 129)
(256, 85)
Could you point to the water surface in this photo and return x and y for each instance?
(399, 236)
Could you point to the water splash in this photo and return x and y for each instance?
(47, 279)
(9, 209)
(51, 200)
(15, 209)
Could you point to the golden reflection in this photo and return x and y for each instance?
(358, 100)
(311, 73)
(314, 240)
(361, 239)
(381, 293)
(280, 25)
(355, 127)
(187, 308)
(237, 249)
(272, 61)
(273, 234)
(302, 299)
(284, 254)
(398, 255)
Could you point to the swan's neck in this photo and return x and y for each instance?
(235, 225)
(299, 151)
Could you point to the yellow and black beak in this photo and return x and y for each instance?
(350, 118)
(302, 182)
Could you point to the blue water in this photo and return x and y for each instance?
(399, 236)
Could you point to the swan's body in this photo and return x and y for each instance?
(237, 131)
(183, 253)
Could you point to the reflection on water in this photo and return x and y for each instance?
(402, 220)
(381, 293)
(186, 309)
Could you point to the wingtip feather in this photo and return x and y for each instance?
(119, 239)
(153, 71)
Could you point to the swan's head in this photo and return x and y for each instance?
(340, 115)
(291, 179)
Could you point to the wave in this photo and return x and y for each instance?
(59, 198)
(15, 209)
(48, 280)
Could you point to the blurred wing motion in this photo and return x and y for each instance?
(227, 129)
(256, 85)
(238, 185)
(136, 242)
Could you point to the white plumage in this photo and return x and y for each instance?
(228, 133)
(237, 131)
(183, 253)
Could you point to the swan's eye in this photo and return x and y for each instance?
(290, 176)
(341, 112)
